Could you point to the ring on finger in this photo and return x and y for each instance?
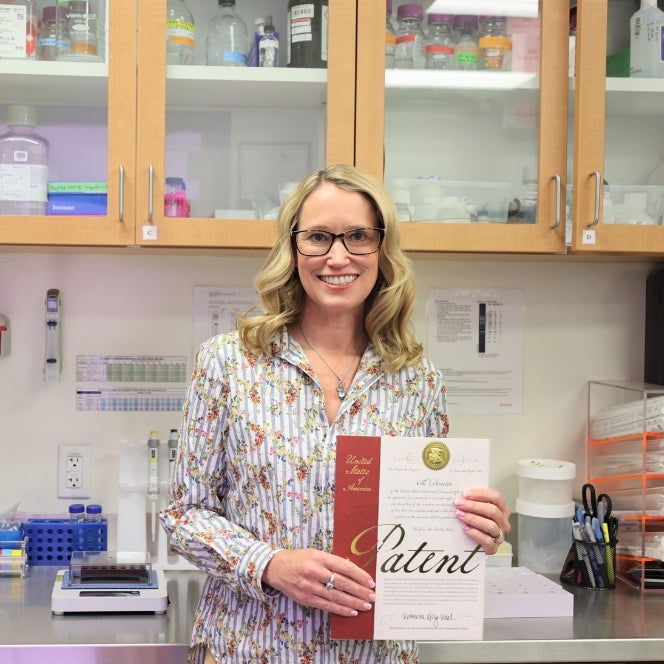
(500, 537)
(330, 584)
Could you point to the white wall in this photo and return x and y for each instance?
(583, 321)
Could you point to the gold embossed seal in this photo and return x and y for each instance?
(436, 455)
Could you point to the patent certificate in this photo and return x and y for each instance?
(395, 517)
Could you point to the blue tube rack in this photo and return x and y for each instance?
(52, 541)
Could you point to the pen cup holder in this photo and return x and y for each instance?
(591, 565)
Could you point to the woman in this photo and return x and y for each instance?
(253, 491)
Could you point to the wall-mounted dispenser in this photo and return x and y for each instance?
(52, 352)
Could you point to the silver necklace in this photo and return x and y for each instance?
(341, 385)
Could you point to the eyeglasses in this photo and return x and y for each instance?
(358, 241)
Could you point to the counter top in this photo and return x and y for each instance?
(608, 626)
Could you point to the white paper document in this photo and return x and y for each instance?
(476, 340)
(395, 516)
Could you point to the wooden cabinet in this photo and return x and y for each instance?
(239, 135)
(617, 127)
(104, 95)
(251, 127)
(469, 126)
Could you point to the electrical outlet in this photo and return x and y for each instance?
(74, 471)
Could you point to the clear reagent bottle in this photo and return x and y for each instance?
(494, 46)
(47, 42)
(439, 45)
(390, 37)
(180, 33)
(23, 164)
(465, 53)
(77, 512)
(227, 40)
(646, 27)
(409, 53)
(268, 45)
(93, 512)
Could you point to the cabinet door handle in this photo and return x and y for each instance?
(121, 195)
(150, 191)
(598, 181)
(557, 179)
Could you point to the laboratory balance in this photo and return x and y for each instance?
(109, 581)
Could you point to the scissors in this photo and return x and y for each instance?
(596, 506)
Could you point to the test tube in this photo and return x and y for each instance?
(93, 512)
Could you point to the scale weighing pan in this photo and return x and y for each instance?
(109, 581)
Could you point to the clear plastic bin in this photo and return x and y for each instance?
(642, 204)
(436, 199)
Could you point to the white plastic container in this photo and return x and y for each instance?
(546, 481)
(544, 535)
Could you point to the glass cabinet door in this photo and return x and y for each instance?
(220, 146)
(84, 105)
(618, 181)
(475, 159)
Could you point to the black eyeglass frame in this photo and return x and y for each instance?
(336, 236)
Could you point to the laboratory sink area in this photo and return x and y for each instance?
(618, 625)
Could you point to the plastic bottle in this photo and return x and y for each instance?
(180, 33)
(93, 512)
(439, 45)
(493, 45)
(77, 512)
(47, 45)
(227, 40)
(23, 164)
(175, 198)
(25, 15)
(259, 31)
(77, 26)
(409, 53)
(465, 54)
(390, 37)
(268, 46)
(645, 39)
(307, 33)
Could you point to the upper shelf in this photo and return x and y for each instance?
(281, 87)
(84, 83)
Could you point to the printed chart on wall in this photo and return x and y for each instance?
(216, 309)
(476, 340)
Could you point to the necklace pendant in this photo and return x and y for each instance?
(341, 390)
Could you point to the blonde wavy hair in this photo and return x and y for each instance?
(388, 308)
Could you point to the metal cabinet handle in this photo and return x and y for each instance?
(150, 191)
(598, 181)
(557, 179)
(121, 194)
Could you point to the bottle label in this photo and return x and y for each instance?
(466, 58)
(180, 32)
(23, 182)
(404, 39)
(236, 56)
(390, 39)
(493, 50)
(18, 35)
(439, 48)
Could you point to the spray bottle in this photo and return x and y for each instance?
(153, 479)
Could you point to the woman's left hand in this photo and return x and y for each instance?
(485, 517)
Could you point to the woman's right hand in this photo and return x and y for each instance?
(322, 580)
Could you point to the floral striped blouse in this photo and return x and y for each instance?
(255, 474)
